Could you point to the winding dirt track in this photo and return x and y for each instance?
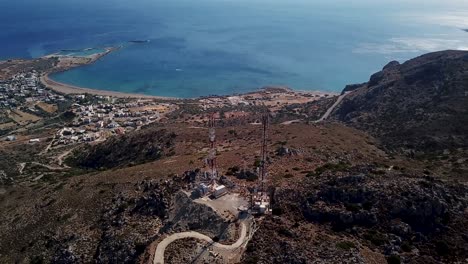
(330, 110)
(159, 254)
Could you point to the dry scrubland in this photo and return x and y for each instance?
(364, 186)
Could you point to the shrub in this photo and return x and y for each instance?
(352, 207)
(406, 246)
(394, 259)
(257, 163)
(345, 245)
(37, 260)
(442, 248)
(367, 205)
(375, 238)
(332, 167)
(277, 211)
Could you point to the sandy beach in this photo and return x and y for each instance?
(68, 62)
(64, 88)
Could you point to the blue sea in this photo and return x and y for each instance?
(205, 47)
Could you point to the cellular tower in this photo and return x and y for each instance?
(211, 159)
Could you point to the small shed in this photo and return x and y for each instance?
(220, 191)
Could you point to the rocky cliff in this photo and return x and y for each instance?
(420, 105)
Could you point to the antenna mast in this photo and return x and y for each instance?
(260, 202)
(263, 166)
(212, 153)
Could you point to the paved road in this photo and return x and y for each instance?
(330, 110)
(159, 254)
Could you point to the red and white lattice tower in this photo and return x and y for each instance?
(211, 159)
(264, 154)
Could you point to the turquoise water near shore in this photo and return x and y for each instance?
(222, 47)
(81, 53)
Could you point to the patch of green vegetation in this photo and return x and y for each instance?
(251, 260)
(367, 205)
(442, 248)
(233, 170)
(375, 238)
(378, 172)
(341, 166)
(242, 174)
(277, 211)
(37, 260)
(49, 178)
(131, 149)
(232, 132)
(345, 245)
(281, 143)
(285, 232)
(59, 186)
(64, 218)
(257, 162)
(393, 259)
(252, 177)
(406, 246)
(52, 201)
(352, 207)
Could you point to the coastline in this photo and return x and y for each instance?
(66, 62)
(64, 88)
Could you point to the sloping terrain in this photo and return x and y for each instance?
(341, 216)
(420, 105)
(136, 148)
(378, 186)
(113, 215)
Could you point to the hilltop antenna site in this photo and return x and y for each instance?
(211, 159)
(210, 185)
(261, 199)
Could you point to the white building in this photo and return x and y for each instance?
(219, 191)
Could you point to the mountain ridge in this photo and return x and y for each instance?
(419, 105)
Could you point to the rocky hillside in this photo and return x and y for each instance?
(135, 148)
(365, 214)
(420, 105)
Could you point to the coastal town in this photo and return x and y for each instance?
(25, 100)
(99, 121)
(24, 89)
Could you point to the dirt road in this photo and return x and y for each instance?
(330, 110)
(159, 254)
